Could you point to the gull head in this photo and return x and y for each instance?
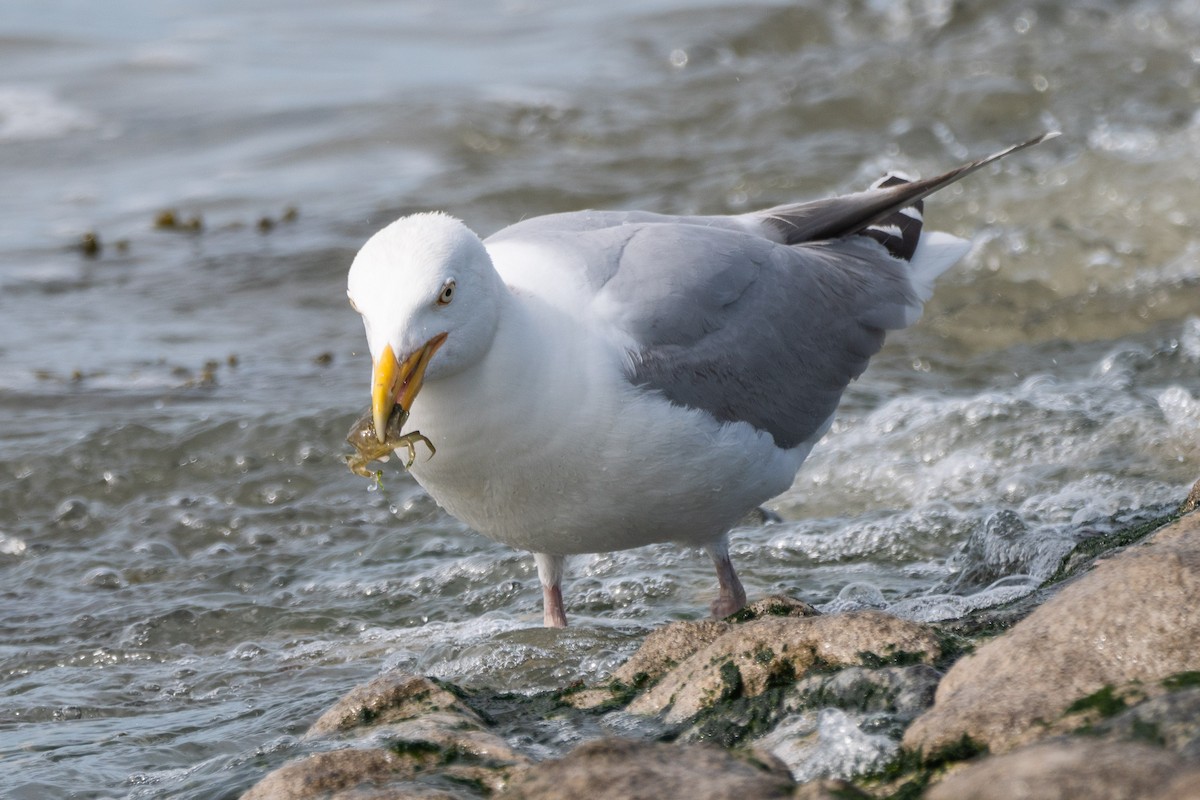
(429, 300)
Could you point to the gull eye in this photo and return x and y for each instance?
(447, 293)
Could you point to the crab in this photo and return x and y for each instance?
(368, 447)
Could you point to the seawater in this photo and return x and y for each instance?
(189, 574)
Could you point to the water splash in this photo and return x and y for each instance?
(829, 743)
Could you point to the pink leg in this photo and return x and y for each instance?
(553, 613)
(550, 574)
(732, 596)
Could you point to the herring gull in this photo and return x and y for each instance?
(600, 380)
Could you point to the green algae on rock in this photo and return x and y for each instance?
(763, 650)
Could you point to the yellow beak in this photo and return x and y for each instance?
(394, 382)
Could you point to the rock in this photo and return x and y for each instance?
(1063, 769)
(324, 774)
(902, 691)
(829, 790)
(1192, 501)
(455, 747)
(661, 650)
(748, 659)
(884, 700)
(390, 697)
(438, 747)
(1086, 712)
(421, 735)
(775, 605)
(451, 734)
(590, 699)
(407, 768)
(625, 769)
(1131, 619)
(1183, 787)
(1171, 721)
(665, 647)
(413, 792)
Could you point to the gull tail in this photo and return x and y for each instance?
(936, 253)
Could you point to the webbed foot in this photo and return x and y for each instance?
(732, 597)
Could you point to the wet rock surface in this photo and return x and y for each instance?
(398, 736)
(344, 774)
(623, 769)
(664, 648)
(1093, 693)
(389, 698)
(1132, 618)
(904, 691)
(1171, 721)
(1065, 769)
(755, 656)
(672, 644)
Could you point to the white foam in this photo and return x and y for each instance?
(1181, 409)
(827, 744)
(856, 596)
(978, 495)
(1093, 497)
(921, 449)
(11, 545)
(937, 607)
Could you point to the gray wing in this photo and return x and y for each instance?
(751, 330)
(730, 322)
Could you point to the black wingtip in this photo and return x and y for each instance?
(974, 165)
(909, 193)
(851, 214)
(930, 185)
